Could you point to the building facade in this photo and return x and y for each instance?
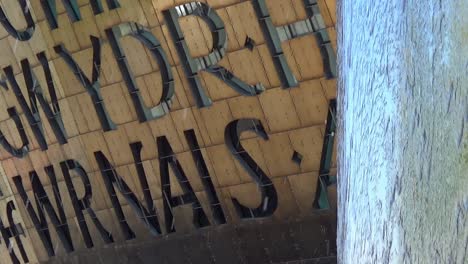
(137, 131)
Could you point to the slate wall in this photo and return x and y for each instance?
(308, 239)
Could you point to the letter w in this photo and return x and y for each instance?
(44, 205)
(35, 93)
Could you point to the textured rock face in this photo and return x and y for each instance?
(403, 148)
